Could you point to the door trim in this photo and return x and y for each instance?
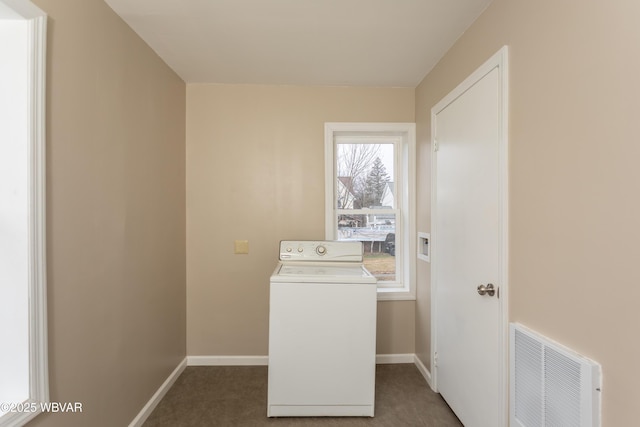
(36, 37)
(499, 61)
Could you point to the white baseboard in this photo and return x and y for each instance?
(158, 395)
(227, 360)
(423, 370)
(387, 359)
(381, 359)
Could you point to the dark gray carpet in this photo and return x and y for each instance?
(237, 396)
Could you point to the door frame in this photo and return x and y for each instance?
(35, 49)
(500, 61)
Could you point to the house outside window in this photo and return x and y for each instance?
(370, 188)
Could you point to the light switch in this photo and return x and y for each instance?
(241, 247)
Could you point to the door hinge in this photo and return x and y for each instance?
(498, 292)
(435, 359)
(435, 145)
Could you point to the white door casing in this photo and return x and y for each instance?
(469, 235)
(23, 307)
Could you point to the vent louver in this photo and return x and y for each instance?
(550, 384)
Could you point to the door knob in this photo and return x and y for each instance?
(489, 290)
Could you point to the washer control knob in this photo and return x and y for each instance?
(321, 250)
(300, 249)
(288, 249)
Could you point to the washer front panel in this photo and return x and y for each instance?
(322, 350)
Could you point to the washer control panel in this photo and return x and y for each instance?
(320, 250)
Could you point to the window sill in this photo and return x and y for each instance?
(395, 294)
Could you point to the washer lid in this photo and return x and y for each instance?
(322, 273)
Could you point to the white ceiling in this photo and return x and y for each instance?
(301, 42)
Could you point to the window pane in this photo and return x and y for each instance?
(376, 231)
(365, 176)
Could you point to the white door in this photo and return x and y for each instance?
(470, 247)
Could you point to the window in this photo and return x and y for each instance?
(370, 192)
(23, 338)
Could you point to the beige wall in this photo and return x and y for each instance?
(574, 175)
(115, 216)
(255, 171)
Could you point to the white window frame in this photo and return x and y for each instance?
(37, 304)
(405, 171)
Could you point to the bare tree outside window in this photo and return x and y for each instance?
(354, 163)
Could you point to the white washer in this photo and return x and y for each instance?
(322, 331)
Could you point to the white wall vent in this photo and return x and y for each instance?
(550, 384)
